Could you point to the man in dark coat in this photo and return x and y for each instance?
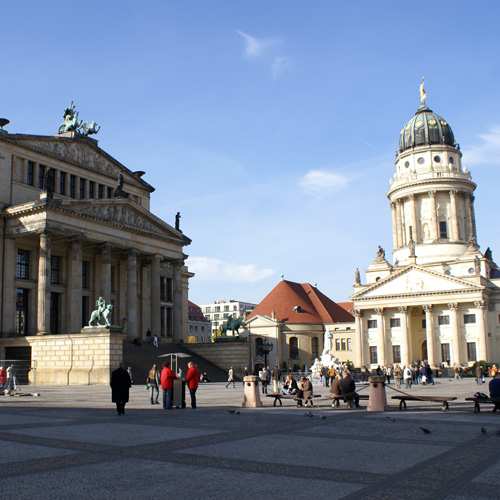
(120, 385)
(349, 387)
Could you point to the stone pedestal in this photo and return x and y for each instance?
(378, 400)
(251, 396)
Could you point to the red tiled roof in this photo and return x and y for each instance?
(315, 306)
(194, 312)
(348, 306)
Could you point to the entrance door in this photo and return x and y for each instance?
(424, 350)
(54, 312)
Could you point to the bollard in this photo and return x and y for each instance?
(378, 400)
(251, 396)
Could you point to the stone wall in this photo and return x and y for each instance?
(75, 359)
(225, 354)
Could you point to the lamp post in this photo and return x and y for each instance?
(266, 348)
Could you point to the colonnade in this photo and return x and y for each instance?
(130, 264)
(405, 215)
(385, 339)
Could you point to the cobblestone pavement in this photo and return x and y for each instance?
(69, 443)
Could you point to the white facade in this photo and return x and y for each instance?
(440, 299)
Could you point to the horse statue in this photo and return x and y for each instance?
(232, 324)
(71, 123)
(97, 316)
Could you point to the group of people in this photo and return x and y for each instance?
(419, 373)
(303, 390)
(344, 385)
(8, 380)
(121, 381)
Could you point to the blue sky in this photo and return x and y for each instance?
(270, 125)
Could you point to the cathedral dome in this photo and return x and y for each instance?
(425, 128)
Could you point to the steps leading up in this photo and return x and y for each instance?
(141, 359)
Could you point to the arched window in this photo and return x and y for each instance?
(294, 348)
(314, 347)
(258, 345)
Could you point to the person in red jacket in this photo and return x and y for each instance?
(192, 380)
(167, 384)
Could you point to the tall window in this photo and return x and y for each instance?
(396, 354)
(82, 189)
(55, 262)
(41, 175)
(372, 323)
(343, 344)
(23, 264)
(110, 192)
(100, 191)
(294, 348)
(30, 173)
(62, 183)
(443, 230)
(349, 344)
(85, 273)
(373, 355)
(445, 353)
(471, 351)
(469, 318)
(395, 322)
(72, 186)
(91, 189)
(443, 320)
(314, 347)
(21, 320)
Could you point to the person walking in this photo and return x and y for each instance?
(120, 384)
(275, 377)
(192, 380)
(154, 384)
(479, 374)
(155, 340)
(264, 379)
(407, 376)
(129, 371)
(230, 378)
(167, 384)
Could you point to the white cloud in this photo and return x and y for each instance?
(322, 182)
(280, 66)
(486, 152)
(256, 47)
(209, 269)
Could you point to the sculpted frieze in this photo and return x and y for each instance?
(121, 215)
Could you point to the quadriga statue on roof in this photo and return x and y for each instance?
(71, 123)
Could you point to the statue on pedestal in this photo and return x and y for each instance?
(103, 312)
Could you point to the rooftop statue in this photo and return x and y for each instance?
(423, 95)
(71, 123)
(178, 221)
(119, 192)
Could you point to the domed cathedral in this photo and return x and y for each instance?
(440, 299)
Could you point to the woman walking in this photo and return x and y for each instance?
(154, 383)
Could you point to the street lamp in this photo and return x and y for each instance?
(266, 348)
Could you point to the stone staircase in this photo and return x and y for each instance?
(141, 359)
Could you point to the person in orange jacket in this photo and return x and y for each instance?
(167, 384)
(192, 380)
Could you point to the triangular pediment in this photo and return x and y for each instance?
(125, 214)
(260, 321)
(81, 151)
(415, 280)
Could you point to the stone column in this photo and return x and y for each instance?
(455, 335)
(434, 224)
(74, 309)
(106, 272)
(429, 335)
(8, 304)
(482, 351)
(468, 221)
(405, 344)
(473, 216)
(394, 226)
(132, 293)
(413, 218)
(177, 296)
(454, 232)
(155, 295)
(358, 314)
(43, 316)
(399, 223)
(382, 357)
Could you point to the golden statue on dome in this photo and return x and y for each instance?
(423, 96)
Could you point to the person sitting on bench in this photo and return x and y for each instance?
(290, 388)
(349, 387)
(494, 387)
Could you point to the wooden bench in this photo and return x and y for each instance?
(437, 399)
(348, 398)
(478, 401)
(280, 397)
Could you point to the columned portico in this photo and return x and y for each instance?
(382, 355)
(75, 285)
(358, 314)
(132, 293)
(454, 231)
(456, 359)
(482, 350)
(433, 215)
(177, 309)
(405, 335)
(43, 316)
(155, 294)
(105, 273)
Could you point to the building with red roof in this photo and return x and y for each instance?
(295, 318)
(198, 326)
